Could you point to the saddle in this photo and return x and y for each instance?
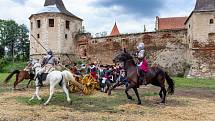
(42, 77)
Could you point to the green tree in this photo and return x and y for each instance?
(14, 37)
(23, 42)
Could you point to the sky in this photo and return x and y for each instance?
(100, 15)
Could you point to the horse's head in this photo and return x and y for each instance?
(122, 57)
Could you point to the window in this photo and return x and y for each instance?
(66, 36)
(211, 21)
(31, 25)
(67, 24)
(51, 22)
(38, 23)
(38, 36)
(189, 26)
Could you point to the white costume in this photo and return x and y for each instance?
(141, 52)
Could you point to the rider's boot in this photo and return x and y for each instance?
(40, 83)
(142, 77)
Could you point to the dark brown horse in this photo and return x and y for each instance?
(156, 77)
(20, 76)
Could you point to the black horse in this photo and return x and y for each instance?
(156, 76)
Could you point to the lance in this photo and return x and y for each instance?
(47, 50)
(39, 43)
(37, 51)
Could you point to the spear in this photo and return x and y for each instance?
(39, 43)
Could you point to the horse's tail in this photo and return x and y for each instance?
(10, 76)
(171, 84)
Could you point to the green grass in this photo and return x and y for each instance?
(99, 102)
(194, 83)
(179, 82)
(9, 67)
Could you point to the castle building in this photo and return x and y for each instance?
(201, 38)
(54, 28)
(181, 45)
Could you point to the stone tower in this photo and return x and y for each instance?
(55, 28)
(201, 38)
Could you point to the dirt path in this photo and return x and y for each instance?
(189, 104)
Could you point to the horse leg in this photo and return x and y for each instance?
(50, 95)
(138, 97)
(17, 81)
(160, 94)
(164, 92)
(114, 86)
(36, 94)
(29, 82)
(37, 89)
(126, 91)
(67, 92)
(108, 84)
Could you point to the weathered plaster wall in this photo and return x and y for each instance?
(168, 48)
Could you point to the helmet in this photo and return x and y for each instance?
(140, 46)
(50, 52)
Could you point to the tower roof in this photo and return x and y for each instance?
(205, 5)
(115, 31)
(56, 6)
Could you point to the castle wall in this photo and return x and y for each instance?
(168, 48)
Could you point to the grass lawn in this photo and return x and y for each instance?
(179, 82)
(194, 83)
(99, 106)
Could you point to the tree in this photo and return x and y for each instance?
(14, 38)
(23, 43)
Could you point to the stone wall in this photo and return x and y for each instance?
(167, 48)
(203, 62)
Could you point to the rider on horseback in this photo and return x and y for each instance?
(143, 65)
(48, 63)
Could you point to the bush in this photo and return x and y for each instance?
(8, 66)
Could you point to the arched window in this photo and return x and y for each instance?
(211, 21)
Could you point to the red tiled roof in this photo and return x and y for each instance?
(115, 31)
(172, 23)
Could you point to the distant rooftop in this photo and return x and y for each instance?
(172, 23)
(115, 31)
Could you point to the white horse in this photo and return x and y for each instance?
(54, 78)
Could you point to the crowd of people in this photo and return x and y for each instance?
(106, 75)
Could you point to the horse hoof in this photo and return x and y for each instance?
(162, 103)
(41, 99)
(109, 93)
(139, 103)
(45, 104)
(130, 98)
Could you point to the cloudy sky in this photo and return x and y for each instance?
(100, 15)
